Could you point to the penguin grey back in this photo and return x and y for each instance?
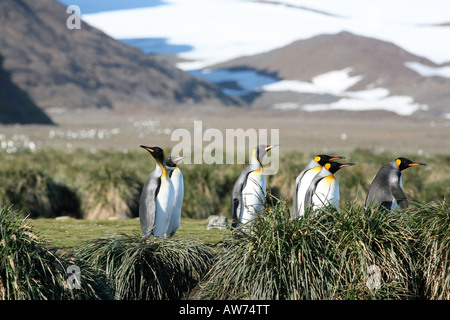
(147, 203)
(385, 190)
(236, 194)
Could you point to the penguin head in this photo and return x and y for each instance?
(173, 161)
(322, 159)
(333, 167)
(403, 163)
(261, 150)
(157, 153)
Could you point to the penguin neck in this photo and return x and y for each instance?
(312, 164)
(256, 165)
(170, 171)
(254, 160)
(161, 168)
(324, 172)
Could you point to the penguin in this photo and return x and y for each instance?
(324, 188)
(304, 180)
(385, 191)
(249, 191)
(157, 198)
(176, 176)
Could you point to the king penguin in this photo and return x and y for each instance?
(324, 188)
(157, 198)
(304, 180)
(385, 191)
(249, 191)
(176, 176)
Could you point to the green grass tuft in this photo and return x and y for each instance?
(29, 271)
(351, 254)
(431, 223)
(152, 269)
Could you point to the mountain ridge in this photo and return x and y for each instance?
(85, 68)
(379, 63)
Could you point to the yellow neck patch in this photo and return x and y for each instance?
(398, 161)
(164, 171)
(254, 155)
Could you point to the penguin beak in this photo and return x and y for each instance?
(179, 159)
(412, 164)
(336, 158)
(346, 165)
(148, 149)
(272, 146)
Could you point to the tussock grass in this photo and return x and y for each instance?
(37, 193)
(351, 254)
(431, 223)
(110, 192)
(154, 269)
(29, 271)
(374, 244)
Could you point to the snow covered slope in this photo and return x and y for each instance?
(219, 30)
(210, 32)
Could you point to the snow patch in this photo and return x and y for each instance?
(333, 82)
(401, 105)
(286, 106)
(336, 83)
(427, 71)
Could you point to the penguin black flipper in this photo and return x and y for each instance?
(147, 203)
(236, 195)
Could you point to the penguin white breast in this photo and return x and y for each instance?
(177, 181)
(164, 205)
(326, 193)
(253, 195)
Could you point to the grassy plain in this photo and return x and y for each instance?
(91, 169)
(68, 234)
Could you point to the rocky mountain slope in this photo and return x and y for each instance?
(84, 68)
(15, 104)
(372, 63)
